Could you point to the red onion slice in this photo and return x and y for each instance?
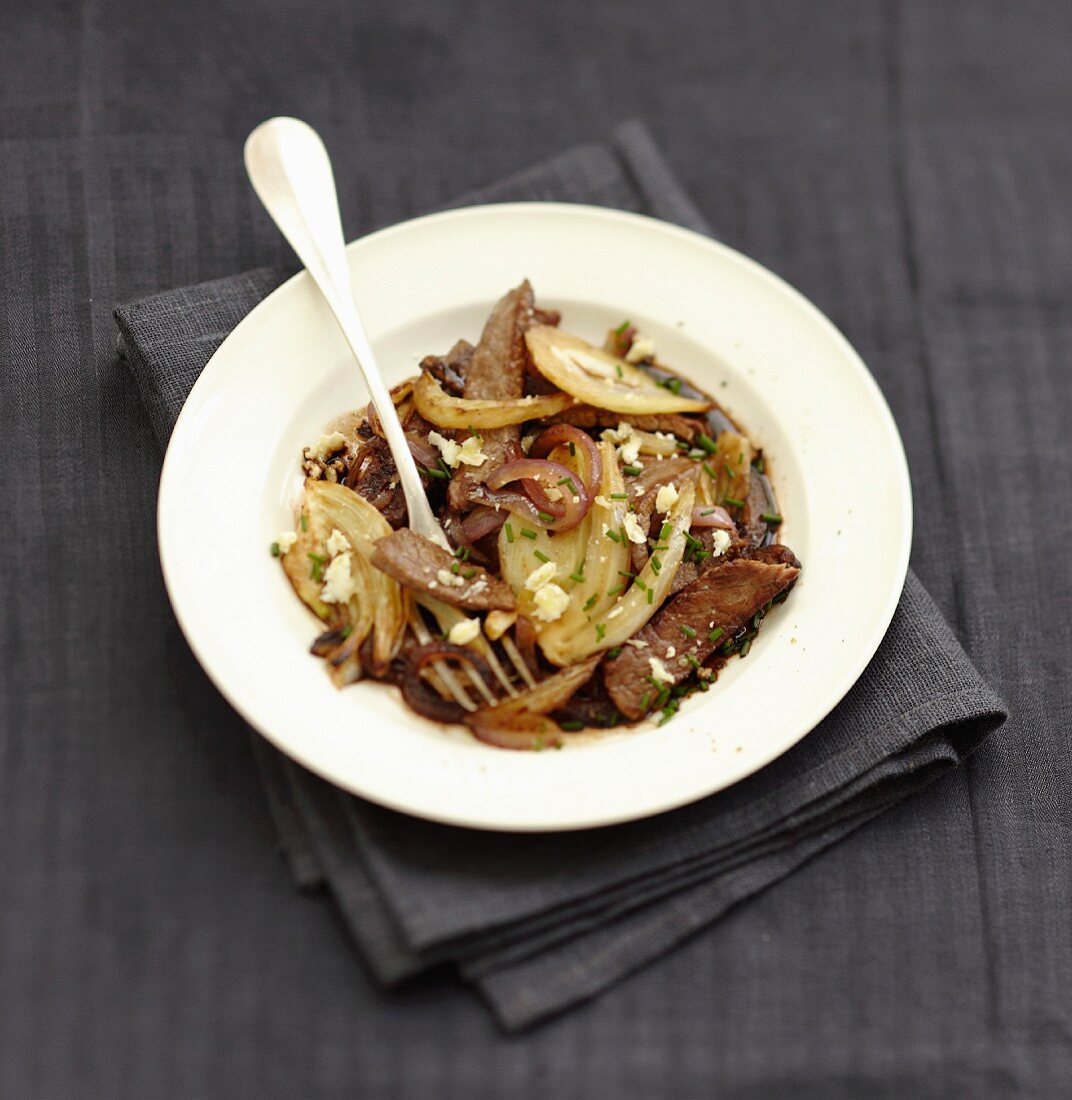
(422, 697)
(712, 517)
(561, 435)
(566, 513)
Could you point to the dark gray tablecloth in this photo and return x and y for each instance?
(540, 923)
(906, 164)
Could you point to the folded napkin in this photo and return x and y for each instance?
(538, 923)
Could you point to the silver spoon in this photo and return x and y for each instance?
(291, 173)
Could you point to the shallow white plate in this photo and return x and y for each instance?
(231, 478)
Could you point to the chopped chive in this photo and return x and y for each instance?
(318, 558)
(527, 534)
(660, 548)
(641, 585)
(709, 470)
(455, 568)
(546, 517)
(304, 522)
(619, 496)
(572, 448)
(693, 662)
(601, 631)
(671, 384)
(688, 631)
(715, 634)
(708, 444)
(615, 652)
(771, 517)
(613, 535)
(701, 554)
(509, 532)
(681, 445)
(469, 574)
(569, 482)
(656, 564)
(616, 589)
(346, 632)
(692, 542)
(571, 725)
(540, 555)
(729, 472)
(733, 502)
(578, 577)
(317, 572)
(662, 698)
(274, 548)
(620, 330)
(590, 602)
(436, 473)
(628, 576)
(631, 470)
(462, 553)
(618, 368)
(665, 531)
(746, 647)
(708, 511)
(727, 649)
(644, 700)
(760, 465)
(651, 595)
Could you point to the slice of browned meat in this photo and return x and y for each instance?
(721, 600)
(450, 370)
(589, 418)
(496, 372)
(421, 565)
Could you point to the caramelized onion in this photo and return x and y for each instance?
(716, 516)
(522, 723)
(561, 435)
(422, 697)
(566, 513)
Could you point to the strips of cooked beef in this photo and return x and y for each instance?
(720, 601)
(496, 372)
(589, 418)
(422, 565)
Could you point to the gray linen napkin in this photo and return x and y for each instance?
(538, 923)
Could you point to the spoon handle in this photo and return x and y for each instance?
(291, 173)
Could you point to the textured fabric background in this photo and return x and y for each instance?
(907, 164)
(542, 922)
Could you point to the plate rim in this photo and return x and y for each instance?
(865, 653)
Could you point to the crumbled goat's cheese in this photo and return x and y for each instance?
(464, 632)
(338, 543)
(455, 453)
(451, 580)
(721, 543)
(615, 612)
(659, 671)
(671, 653)
(552, 493)
(551, 601)
(286, 540)
(541, 576)
(666, 498)
(327, 445)
(633, 530)
(643, 347)
(626, 441)
(339, 586)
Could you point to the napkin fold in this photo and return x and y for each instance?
(539, 923)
